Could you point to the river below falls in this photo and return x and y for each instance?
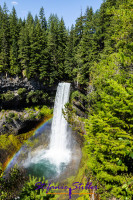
(31, 157)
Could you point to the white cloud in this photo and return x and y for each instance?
(14, 3)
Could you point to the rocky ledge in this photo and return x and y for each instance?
(14, 83)
(14, 122)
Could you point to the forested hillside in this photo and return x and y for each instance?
(96, 56)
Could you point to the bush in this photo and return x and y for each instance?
(16, 116)
(25, 189)
(38, 112)
(9, 119)
(36, 97)
(11, 115)
(4, 142)
(11, 186)
(8, 96)
(21, 91)
(44, 112)
(29, 192)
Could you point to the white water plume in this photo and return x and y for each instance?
(58, 151)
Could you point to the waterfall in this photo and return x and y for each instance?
(59, 159)
(51, 161)
(59, 151)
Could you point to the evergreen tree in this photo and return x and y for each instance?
(26, 40)
(79, 29)
(37, 57)
(1, 14)
(86, 51)
(36, 20)
(14, 64)
(43, 19)
(62, 38)
(70, 62)
(53, 32)
(122, 20)
(78, 33)
(109, 127)
(20, 24)
(24, 50)
(5, 37)
(104, 28)
(109, 134)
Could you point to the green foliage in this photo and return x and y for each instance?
(29, 192)
(21, 91)
(9, 142)
(25, 187)
(4, 40)
(109, 139)
(4, 142)
(8, 96)
(85, 55)
(82, 176)
(38, 112)
(36, 97)
(70, 61)
(14, 33)
(9, 117)
(8, 187)
(44, 112)
(43, 19)
(78, 95)
(97, 55)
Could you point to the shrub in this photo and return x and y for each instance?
(36, 97)
(8, 96)
(21, 91)
(9, 119)
(16, 116)
(29, 192)
(11, 115)
(11, 186)
(44, 112)
(38, 112)
(4, 141)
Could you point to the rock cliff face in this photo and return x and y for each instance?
(14, 83)
(14, 122)
(17, 93)
(18, 102)
(13, 117)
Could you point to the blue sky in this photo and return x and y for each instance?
(68, 9)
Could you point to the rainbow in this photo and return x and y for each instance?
(9, 162)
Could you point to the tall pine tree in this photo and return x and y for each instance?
(14, 64)
(5, 41)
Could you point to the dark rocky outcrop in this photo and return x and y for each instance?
(20, 122)
(10, 98)
(14, 83)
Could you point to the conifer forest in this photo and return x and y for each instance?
(96, 56)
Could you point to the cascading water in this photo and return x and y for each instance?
(52, 161)
(58, 151)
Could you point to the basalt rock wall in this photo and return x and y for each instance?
(9, 87)
(14, 83)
